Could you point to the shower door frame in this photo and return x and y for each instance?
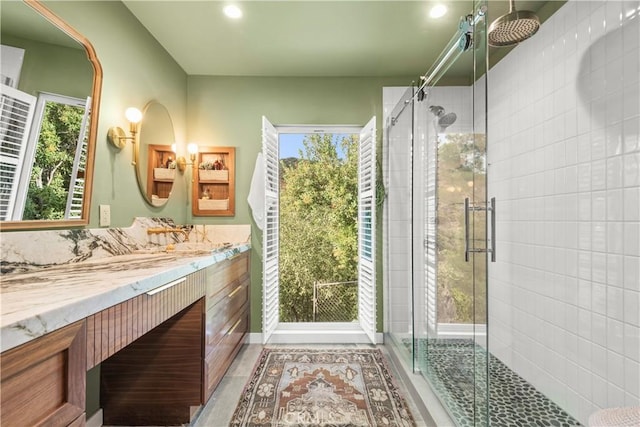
(476, 250)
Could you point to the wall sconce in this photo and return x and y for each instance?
(181, 162)
(116, 135)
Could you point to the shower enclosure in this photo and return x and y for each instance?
(548, 333)
(440, 131)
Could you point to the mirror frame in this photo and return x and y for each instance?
(93, 129)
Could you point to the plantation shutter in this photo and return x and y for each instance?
(75, 197)
(270, 233)
(366, 229)
(16, 114)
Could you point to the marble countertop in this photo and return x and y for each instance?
(40, 301)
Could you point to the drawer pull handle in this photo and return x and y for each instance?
(235, 325)
(234, 256)
(235, 291)
(167, 286)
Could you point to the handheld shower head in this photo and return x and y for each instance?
(512, 28)
(446, 120)
(442, 120)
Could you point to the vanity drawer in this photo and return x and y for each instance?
(223, 274)
(114, 328)
(219, 360)
(218, 316)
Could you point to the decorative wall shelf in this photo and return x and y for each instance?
(214, 182)
(159, 176)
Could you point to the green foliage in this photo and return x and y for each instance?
(51, 172)
(318, 212)
(461, 173)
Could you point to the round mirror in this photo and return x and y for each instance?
(156, 165)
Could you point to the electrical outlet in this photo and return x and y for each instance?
(105, 215)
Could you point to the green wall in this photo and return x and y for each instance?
(136, 70)
(224, 111)
(227, 111)
(51, 68)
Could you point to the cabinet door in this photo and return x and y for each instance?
(44, 380)
(214, 182)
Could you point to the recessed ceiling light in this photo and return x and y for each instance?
(438, 11)
(233, 11)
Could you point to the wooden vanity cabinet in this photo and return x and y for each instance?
(156, 380)
(227, 317)
(162, 354)
(150, 348)
(43, 381)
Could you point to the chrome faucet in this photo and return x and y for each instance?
(161, 230)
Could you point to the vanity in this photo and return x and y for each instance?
(163, 317)
(155, 310)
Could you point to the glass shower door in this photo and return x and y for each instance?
(450, 332)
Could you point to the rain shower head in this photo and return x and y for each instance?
(514, 27)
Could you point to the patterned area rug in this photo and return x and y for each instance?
(345, 387)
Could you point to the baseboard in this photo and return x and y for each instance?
(315, 337)
(95, 420)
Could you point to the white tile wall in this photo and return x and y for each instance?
(564, 155)
(397, 232)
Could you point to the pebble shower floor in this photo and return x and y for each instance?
(512, 400)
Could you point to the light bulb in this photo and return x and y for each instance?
(438, 11)
(174, 147)
(232, 11)
(192, 148)
(133, 115)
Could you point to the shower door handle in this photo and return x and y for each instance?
(487, 207)
(493, 229)
(466, 229)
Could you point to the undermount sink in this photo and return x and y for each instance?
(186, 248)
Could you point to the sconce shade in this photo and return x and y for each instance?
(116, 137)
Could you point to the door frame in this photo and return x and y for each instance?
(316, 332)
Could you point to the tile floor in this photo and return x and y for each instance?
(222, 404)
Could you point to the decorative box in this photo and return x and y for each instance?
(213, 204)
(213, 175)
(163, 173)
